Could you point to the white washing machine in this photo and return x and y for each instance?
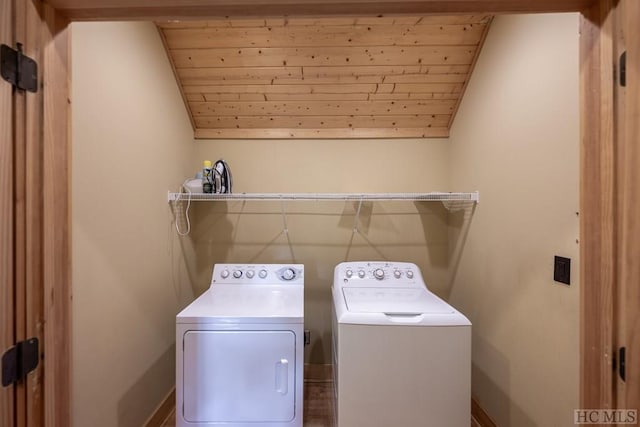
(239, 349)
(401, 355)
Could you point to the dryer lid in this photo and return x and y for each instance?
(394, 301)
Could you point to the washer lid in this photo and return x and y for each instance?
(246, 304)
(394, 301)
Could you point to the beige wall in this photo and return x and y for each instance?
(132, 141)
(515, 139)
(321, 233)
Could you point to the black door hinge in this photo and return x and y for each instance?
(622, 363)
(623, 69)
(18, 69)
(19, 360)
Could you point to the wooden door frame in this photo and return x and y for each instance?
(56, 134)
(598, 189)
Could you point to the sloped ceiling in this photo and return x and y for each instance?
(324, 77)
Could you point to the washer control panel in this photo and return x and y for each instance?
(378, 273)
(254, 274)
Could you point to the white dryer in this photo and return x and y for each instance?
(401, 355)
(239, 349)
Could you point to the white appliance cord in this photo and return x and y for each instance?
(186, 211)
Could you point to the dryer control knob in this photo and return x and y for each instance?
(262, 274)
(225, 273)
(397, 274)
(378, 273)
(361, 274)
(349, 273)
(289, 274)
(410, 274)
(250, 274)
(237, 274)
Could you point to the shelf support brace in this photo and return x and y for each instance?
(357, 218)
(354, 230)
(285, 228)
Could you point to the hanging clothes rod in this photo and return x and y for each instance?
(381, 197)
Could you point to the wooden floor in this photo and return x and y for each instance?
(318, 405)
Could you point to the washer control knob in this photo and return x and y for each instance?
(378, 273)
(237, 274)
(410, 274)
(250, 274)
(289, 274)
(225, 273)
(361, 274)
(349, 273)
(397, 274)
(262, 273)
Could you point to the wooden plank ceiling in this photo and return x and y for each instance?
(368, 77)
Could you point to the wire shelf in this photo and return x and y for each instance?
(433, 196)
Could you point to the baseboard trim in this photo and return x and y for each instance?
(480, 416)
(163, 411)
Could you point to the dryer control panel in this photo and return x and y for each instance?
(256, 274)
(376, 273)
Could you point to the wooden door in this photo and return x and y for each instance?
(28, 207)
(610, 212)
(34, 216)
(7, 283)
(619, 92)
(21, 202)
